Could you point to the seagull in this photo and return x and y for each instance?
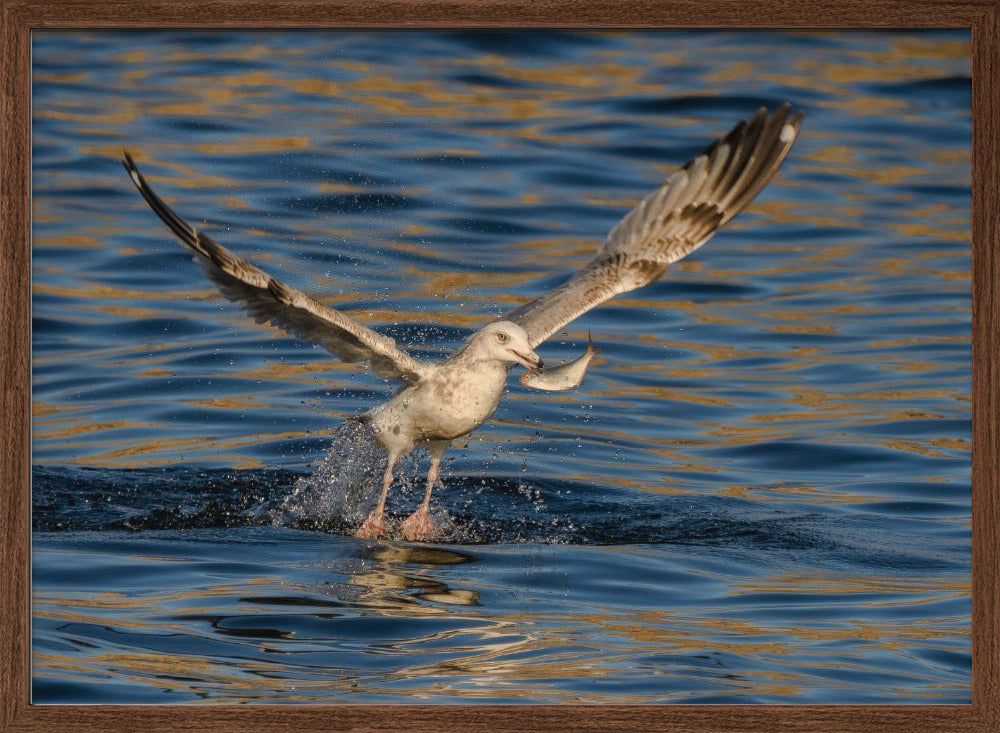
(439, 402)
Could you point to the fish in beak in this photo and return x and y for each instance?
(527, 359)
(566, 376)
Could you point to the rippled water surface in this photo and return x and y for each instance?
(760, 493)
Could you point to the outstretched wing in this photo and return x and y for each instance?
(268, 299)
(671, 222)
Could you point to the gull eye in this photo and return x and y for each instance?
(502, 338)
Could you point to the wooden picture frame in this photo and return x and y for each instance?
(20, 17)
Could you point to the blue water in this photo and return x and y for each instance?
(760, 494)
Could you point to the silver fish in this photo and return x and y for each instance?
(562, 377)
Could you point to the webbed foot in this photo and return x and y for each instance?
(373, 527)
(418, 527)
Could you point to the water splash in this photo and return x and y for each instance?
(476, 510)
(343, 486)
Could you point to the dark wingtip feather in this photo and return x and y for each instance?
(184, 231)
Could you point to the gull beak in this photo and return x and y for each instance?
(529, 360)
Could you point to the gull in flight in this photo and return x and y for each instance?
(439, 402)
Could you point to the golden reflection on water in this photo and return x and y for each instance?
(253, 92)
(508, 655)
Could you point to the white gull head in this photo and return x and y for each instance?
(503, 341)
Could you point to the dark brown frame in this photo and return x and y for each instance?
(19, 17)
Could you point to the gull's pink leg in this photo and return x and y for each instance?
(374, 526)
(418, 527)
